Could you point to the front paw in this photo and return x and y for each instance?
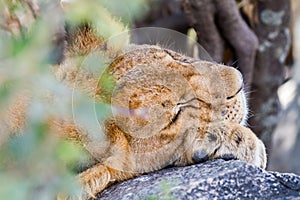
(261, 155)
(202, 156)
(227, 157)
(227, 141)
(245, 146)
(94, 180)
(248, 146)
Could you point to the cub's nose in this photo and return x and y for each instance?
(231, 77)
(200, 157)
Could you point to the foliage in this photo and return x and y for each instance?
(35, 164)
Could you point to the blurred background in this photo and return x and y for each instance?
(260, 38)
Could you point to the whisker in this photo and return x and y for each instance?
(235, 62)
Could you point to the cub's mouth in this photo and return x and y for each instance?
(238, 91)
(238, 109)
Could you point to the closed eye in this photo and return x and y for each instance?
(230, 97)
(180, 107)
(174, 119)
(193, 99)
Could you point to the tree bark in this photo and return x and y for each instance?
(284, 156)
(218, 23)
(165, 14)
(272, 26)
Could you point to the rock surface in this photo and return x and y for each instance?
(217, 179)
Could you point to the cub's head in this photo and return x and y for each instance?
(159, 90)
(219, 90)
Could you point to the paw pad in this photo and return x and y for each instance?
(227, 157)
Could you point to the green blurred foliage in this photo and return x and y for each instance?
(110, 17)
(34, 163)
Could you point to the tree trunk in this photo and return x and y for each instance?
(218, 23)
(271, 23)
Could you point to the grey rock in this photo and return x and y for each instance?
(216, 179)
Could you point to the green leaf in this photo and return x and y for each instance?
(69, 152)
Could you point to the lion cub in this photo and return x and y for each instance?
(168, 109)
(172, 110)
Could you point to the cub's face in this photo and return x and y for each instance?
(161, 91)
(182, 111)
(220, 92)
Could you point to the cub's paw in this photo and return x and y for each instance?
(227, 157)
(94, 180)
(226, 141)
(202, 156)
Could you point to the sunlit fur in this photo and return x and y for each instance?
(168, 108)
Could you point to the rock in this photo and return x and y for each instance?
(216, 179)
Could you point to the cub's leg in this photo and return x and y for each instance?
(226, 140)
(97, 178)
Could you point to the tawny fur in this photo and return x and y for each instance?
(170, 110)
(192, 107)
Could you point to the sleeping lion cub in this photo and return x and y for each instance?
(167, 109)
(171, 110)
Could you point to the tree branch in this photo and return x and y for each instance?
(216, 21)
